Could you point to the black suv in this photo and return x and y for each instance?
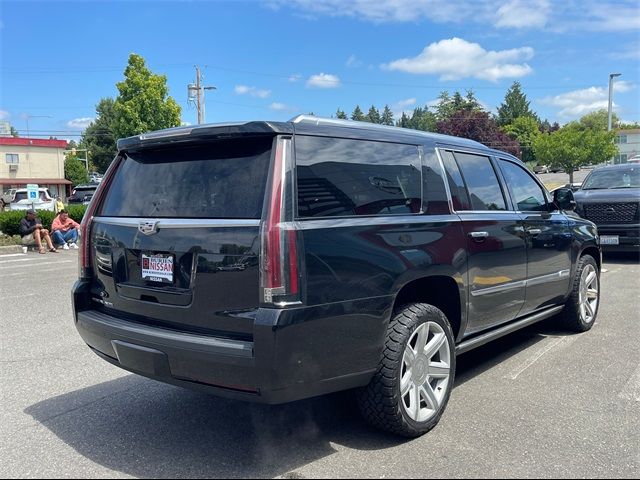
(82, 194)
(610, 198)
(274, 261)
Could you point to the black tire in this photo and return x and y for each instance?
(380, 402)
(572, 317)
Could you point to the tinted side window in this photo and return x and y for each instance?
(456, 184)
(481, 180)
(526, 193)
(339, 177)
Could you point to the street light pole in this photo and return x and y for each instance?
(611, 77)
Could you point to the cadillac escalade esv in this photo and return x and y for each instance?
(275, 261)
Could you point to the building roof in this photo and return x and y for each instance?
(39, 181)
(630, 131)
(33, 142)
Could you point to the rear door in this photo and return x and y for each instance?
(176, 239)
(495, 239)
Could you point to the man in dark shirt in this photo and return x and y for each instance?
(31, 230)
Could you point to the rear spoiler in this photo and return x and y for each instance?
(203, 132)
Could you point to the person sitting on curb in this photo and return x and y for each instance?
(32, 231)
(65, 230)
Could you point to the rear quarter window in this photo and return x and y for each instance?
(223, 179)
(343, 177)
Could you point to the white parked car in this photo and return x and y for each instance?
(44, 202)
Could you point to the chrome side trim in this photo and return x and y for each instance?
(548, 278)
(499, 288)
(553, 277)
(179, 222)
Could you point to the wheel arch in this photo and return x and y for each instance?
(441, 291)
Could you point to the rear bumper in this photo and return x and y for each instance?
(294, 354)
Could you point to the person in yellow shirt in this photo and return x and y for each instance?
(59, 204)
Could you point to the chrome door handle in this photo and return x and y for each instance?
(478, 236)
(534, 231)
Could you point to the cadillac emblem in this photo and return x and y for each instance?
(148, 227)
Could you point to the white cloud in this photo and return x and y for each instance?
(253, 91)
(323, 80)
(185, 124)
(406, 103)
(455, 58)
(80, 123)
(523, 14)
(295, 78)
(279, 107)
(580, 102)
(380, 11)
(4, 115)
(353, 62)
(586, 15)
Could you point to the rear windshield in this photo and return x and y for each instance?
(225, 179)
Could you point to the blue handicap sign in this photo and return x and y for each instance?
(33, 194)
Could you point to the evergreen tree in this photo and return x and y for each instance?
(404, 121)
(373, 116)
(357, 114)
(387, 116)
(423, 119)
(448, 106)
(515, 105)
(341, 115)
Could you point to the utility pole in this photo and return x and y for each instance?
(196, 95)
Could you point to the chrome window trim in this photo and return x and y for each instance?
(178, 222)
(339, 222)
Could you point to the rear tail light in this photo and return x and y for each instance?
(279, 258)
(85, 226)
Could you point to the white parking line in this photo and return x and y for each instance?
(15, 260)
(631, 391)
(36, 264)
(61, 269)
(538, 353)
(13, 255)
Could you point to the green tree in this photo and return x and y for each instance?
(14, 132)
(357, 114)
(341, 115)
(597, 120)
(373, 116)
(515, 105)
(143, 103)
(75, 170)
(524, 130)
(572, 146)
(423, 119)
(404, 121)
(99, 137)
(448, 106)
(387, 116)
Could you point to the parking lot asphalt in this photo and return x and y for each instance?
(538, 403)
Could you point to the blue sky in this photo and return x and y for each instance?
(277, 58)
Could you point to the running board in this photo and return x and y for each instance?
(474, 342)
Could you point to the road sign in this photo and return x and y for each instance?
(32, 193)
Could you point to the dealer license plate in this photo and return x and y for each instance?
(609, 240)
(157, 268)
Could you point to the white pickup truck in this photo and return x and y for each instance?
(21, 200)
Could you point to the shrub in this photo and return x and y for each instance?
(10, 221)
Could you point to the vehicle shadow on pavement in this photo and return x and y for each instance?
(148, 429)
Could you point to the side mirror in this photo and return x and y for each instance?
(563, 199)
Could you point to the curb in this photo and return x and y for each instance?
(10, 250)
